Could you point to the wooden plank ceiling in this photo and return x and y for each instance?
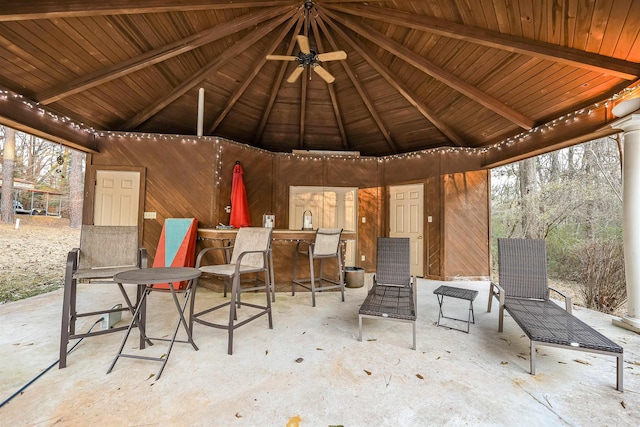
(418, 74)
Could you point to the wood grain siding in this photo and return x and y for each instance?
(369, 208)
(179, 179)
(258, 179)
(433, 229)
(466, 225)
(193, 179)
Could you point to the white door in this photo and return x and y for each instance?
(117, 197)
(406, 220)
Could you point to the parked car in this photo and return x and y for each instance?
(19, 209)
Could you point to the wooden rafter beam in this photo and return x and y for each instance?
(435, 71)
(387, 74)
(20, 114)
(206, 71)
(158, 55)
(247, 81)
(276, 86)
(55, 9)
(366, 99)
(330, 88)
(578, 58)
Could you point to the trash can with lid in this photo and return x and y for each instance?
(354, 277)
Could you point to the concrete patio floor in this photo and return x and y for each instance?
(310, 370)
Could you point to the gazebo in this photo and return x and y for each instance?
(431, 93)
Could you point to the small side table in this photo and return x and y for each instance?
(453, 292)
(147, 277)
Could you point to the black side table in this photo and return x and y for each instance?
(453, 292)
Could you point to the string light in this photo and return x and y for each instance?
(566, 119)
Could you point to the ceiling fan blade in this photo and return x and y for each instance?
(303, 42)
(296, 73)
(281, 58)
(332, 56)
(326, 76)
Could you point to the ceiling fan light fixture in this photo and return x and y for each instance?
(310, 58)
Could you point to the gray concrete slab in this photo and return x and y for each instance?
(311, 368)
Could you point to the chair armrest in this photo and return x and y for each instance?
(266, 252)
(142, 257)
(72, 261)
(239, 262)
(205, 250)
(414, 288)
(567, 299)
(308, 249)
(495, 290)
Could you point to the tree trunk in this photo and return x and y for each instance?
(528, 198)
(8, 162)
(591, 152)
(75, 190)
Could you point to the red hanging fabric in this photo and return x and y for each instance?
(239, 205)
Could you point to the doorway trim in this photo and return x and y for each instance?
(421, 238)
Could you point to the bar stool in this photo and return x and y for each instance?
(147, 278)
(326, 245)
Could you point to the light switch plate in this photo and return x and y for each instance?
(149, 215)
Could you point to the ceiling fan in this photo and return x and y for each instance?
(308, 57)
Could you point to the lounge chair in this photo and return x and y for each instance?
(523, 291)
(392, 296)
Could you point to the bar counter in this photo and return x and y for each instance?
(277, 234)
(283, 247)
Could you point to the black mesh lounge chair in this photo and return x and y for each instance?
(523, 291)
(250, 254)
(392, 295)
(325, 246)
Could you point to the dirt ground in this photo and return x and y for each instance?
(33, 255)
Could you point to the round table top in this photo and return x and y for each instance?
(150, 276)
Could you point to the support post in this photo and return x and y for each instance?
(630, 124)
(200, 111)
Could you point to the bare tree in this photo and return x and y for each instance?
(529, 198)
(8, 162)
(76, 190)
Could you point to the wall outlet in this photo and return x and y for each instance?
(429, 218)
(362, 258)
(149, 215)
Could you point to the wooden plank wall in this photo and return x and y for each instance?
(193, 179)
(179, 179)
(466, 230)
